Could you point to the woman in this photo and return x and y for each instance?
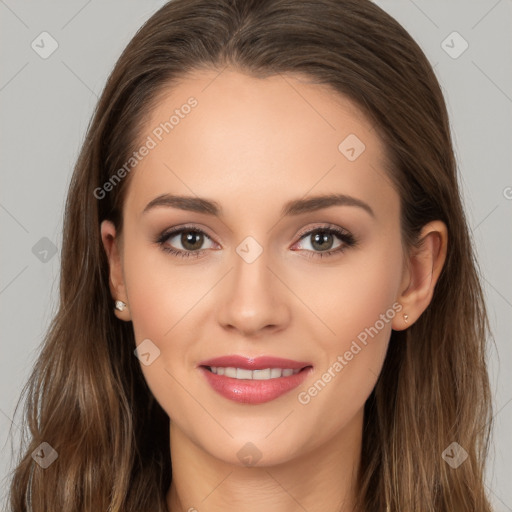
(268, 293)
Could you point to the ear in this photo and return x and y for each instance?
(423, 267)
(112, 246)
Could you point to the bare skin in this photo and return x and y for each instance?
(251, 145)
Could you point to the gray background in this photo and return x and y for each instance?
(46, 105)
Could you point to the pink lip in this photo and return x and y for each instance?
(253, 391)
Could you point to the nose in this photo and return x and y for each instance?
(253, 300)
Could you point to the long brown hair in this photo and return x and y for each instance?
(87, 397)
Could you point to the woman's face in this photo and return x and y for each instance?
(274, 272)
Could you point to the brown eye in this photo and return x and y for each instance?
(191, 240)
(185, 242)
(322, 240)
(326, 241)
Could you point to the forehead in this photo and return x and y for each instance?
(235, 138)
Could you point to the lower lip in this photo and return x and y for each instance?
(254, 391)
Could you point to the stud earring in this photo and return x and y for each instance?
(120, 305)
(406, 317)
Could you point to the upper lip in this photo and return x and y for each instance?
(254, 363)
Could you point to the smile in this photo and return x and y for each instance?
(253, 380)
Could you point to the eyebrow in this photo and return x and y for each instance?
(294, 207)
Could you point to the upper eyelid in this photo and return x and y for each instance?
(167, 233)
(326, 227)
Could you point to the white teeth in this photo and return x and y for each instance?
(230, 372)
(243, 374)
(265, 374)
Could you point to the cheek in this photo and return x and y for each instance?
(159, 291)
(357, 304)
(368, 292)
(353, 295)
(161, 298)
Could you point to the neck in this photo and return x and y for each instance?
(323, 479)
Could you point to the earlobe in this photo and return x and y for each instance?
(116, 281)
(425, 263)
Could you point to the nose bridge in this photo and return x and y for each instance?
(252, 299)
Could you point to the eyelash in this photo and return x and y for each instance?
(347, 238)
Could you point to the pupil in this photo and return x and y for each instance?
(191, 240)
(322, 237)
